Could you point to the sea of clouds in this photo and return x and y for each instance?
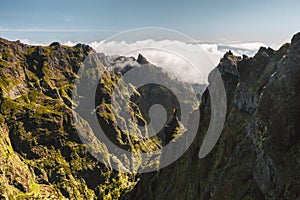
(190, 61)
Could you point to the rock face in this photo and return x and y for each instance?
(142, 60)
(258, 153)
(42, 155)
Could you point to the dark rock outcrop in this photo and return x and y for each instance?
(142, 60)
(258, 153)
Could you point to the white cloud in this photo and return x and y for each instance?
(189, 61)
(29, 42)
(186, 60)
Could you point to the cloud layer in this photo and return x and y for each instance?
(191, 62)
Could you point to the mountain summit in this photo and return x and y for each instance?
(142, 60)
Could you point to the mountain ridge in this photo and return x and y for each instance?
(257, 155)
(42, 156)
(39, 131)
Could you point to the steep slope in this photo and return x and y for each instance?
(36, 85)
(42, 155)
(257, 155)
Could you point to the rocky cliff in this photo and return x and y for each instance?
(257, 155)
(42, 154)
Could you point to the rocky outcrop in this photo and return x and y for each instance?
(142, 60)
(257, 155)
(42, 154)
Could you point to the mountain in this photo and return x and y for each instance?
(258, 153)
(50, 150)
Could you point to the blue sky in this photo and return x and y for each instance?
(265, 21)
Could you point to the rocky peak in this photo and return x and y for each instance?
(228, 70)
(84, 47)
(245, 57)
(263, 55)
(296, 38)
(228, 64)
(142, 60)
(55, 45)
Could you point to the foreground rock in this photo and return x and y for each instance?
(42, 155)
(258, 154)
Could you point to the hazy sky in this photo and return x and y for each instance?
(268, 21)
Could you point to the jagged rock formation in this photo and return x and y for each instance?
(142, 60)
(46, 158)
(258, 153)
(42, 155)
